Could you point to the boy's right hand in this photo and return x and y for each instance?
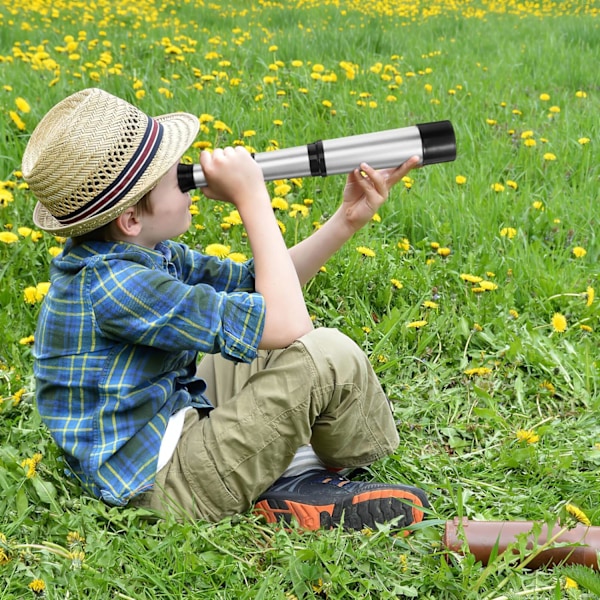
(232, 175)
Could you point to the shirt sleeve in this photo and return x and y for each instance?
(143, 306)
(223, 274)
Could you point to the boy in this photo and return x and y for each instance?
(276, 408)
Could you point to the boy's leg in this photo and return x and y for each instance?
(321, 390)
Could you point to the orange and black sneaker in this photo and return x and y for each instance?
(324, 499)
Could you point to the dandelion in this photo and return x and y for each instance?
(396, 283)
(589, 294)
(512, 184)
(530, 143)
(218, 250)
(549, 387)
(579, 252)
(549, 156)
(283, 189)
(559, 322)
(16, 119)
(488, 286)
(538, 205)
(27, 341)
(526, 134)
(570, 584)
(471, 278)
(444, 252)
(299, 210)
(6, 196)
(366, 329)
(586, 328)
(8, 237)
(430, 304)
(416, 324)
(477, 327)
(584, 140)
(460, 179)
(580, 94)
(434, 245)
(365, 251)
(478, 371)
(31, 464)
(555, 109)
(278, 203)
(513, 313)
(497, 187)
(37, 586)
(576, 512)
(544, 97)
(404, 245)
(508, 232)
(4, 557)
(30, 295)
(529, 436)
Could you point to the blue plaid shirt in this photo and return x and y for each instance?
(116, 347)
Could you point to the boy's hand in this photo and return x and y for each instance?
(232, 175)
(367, 189)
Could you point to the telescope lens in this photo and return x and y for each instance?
(185, 177)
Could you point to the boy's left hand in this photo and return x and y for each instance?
(367, 189)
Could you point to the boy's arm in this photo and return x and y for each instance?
(363, 195)
(232, 175)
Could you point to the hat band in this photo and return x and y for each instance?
(126, 179)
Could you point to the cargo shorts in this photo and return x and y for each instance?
(320, 390)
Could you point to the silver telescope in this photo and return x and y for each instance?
(432, 142)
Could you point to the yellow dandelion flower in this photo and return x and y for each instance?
(8, 237)
(218, 250)
(22, 105)
(513, 313)
(579, 252)
(365, 251)
(434, 245)
(16, 119)
(526, 134)
(283, 189)
(26, 341)
(31, 464)
(586, 328)
(37, 586)
(544, 97)
(471, 278)
(404, 245)
(509, 232)
(4, 557)
(299, 210)
(538, 205)
(416, 324)
(396, 283)
(430, 304)
(478, 371)
(54, 251)
(549, 387)
(460, 179)
(528, 436)
(488, 286)
(554, 109)
(549, 156)
(497, 187)
(366, 329)
(576, 512)
(581, 94)
(589, 294)
(584, 140)
(444, 252)
(512, 184)
(237, 257)
(477, 327)
(530, 143)
(570, 584)
(30, 295)
(6, 196)
(559, 322)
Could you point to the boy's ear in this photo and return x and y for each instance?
(128, 222)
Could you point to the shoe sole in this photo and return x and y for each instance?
(357, 512)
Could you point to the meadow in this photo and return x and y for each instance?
(473, 291)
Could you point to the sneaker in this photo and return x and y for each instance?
(324, 499)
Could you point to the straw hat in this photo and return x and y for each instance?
(93, 155)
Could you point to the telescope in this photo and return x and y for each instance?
(432, 142)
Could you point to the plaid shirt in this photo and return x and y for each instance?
(116, 348)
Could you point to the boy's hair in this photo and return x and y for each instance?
(105, 233)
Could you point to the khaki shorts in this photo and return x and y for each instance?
(321, 390)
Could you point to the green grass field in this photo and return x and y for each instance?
(473, 293)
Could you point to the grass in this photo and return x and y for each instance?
(496, 408)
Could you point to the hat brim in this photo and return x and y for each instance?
(179, 131)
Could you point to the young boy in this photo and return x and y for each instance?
(275, 409)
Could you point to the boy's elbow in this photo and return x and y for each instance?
(277, 334)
